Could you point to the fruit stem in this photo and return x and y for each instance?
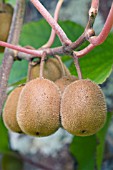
(62, 66)
(77, 65)
(29, 71)
(42, 65)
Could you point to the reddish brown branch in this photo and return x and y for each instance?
(59, 31)
(53, 33)
(105, 31)
(85, 51)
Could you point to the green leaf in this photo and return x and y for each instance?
(4, 138)
(18, 71)
(97, 65)
(37, 33)
(101, 135)
(12, 162)
(1, 57)
(12, 2)
(84, 149)
(22, 81)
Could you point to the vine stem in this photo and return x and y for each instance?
(105, 31)
(85, 51)
(8, 55)
(59, 31)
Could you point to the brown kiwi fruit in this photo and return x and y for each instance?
(39, 107)
(10, 108)
(63, 82)
(52, 70)
(6, 13)
(83, 108)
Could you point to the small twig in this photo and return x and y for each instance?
(94, 9)
(85, 51)
(77, 66)
(53, 33)
(59, 31)
(88, 32)
(105, 31)
(95, 4)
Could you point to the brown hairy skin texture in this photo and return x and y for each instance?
(10, 109)
(39, 107)
(83, 108)
(6, 13)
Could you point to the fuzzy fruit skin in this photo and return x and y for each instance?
(63, 82)
(10, 108)
(39, 107)
(83, 108)
(52, 70)
(5, 22)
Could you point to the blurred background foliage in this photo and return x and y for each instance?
(97, 66)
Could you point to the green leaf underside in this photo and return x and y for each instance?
(12, 161)
(101, 135)
(83, 149)
(4, 138)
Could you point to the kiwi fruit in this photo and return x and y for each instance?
(39, 107)
(63, 82)
(10, 108)
(52, 70)
(83, 108)
(6, 13)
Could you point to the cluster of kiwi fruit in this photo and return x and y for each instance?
(6, 13)
(42, 105)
